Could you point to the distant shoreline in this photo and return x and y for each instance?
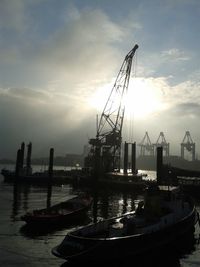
(142, 162)
(7, 161)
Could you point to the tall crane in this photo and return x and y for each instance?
(106, 147)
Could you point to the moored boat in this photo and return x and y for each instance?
(61, 213)
(165, 215)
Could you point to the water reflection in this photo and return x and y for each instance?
(21, 199)
(16, 201)
(49, 194)
(106, 204)
(26, 192)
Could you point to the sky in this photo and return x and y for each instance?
(59, 60)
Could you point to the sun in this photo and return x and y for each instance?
(144, 97)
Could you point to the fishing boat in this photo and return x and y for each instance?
(164, 216)
(61, 213)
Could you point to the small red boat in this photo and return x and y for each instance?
(61, 213)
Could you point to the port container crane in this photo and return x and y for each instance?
(146, 145)
(188, 144)
(161, 141)
(106, 147)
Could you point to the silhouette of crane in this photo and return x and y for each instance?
(188, 144)
(105, 149)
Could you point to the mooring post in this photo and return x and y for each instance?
(125, 157)
(51, 155)
(50, 176)
(159, 165)
(22, 155)
(28, 159)
(133, 157)
(17, 165)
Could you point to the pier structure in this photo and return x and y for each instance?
(189, 145)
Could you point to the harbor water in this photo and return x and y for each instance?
(20, 246)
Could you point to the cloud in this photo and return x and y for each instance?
(174, 54)
(12, 15)
(53, 66)
(79, 51)
(50, 82)
(187, 110)
(45, 119)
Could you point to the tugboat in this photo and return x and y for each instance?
(164, 216)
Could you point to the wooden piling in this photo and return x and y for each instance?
(133, 157)
(159, 165)
(125, 158)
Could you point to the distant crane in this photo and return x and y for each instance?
(105, 149)
(146, 146)
(161, 141)
(188, 144)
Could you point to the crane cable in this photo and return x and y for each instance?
(131, 113)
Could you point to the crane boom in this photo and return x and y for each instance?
(109, 129)
(113, 112)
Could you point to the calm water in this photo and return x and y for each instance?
(21, 247)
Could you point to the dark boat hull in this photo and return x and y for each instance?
(70, 211)
(55, 220)
(83, 249)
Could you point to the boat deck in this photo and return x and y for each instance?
(134, 223)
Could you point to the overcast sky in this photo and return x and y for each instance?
(59, 60)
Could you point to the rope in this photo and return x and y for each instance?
(131, 114)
